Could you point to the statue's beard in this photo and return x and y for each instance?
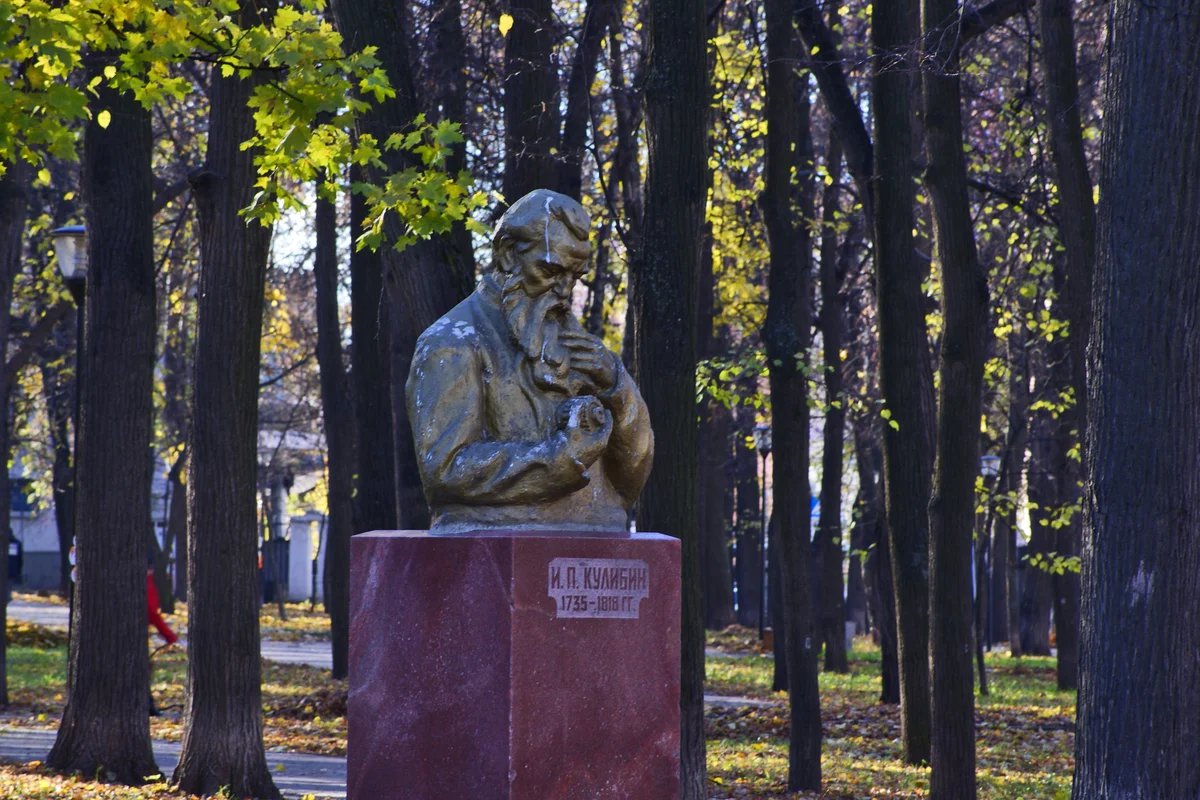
(535, 323)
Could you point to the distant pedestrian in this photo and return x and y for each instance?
(154, 617)
(153, 613)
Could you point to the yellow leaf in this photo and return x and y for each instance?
(506, 23)
(103, 118)
(110, 72)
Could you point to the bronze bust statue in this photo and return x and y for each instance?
(522, 418)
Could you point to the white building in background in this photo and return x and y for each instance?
(35, 544)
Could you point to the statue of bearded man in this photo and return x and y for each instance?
(522, 418)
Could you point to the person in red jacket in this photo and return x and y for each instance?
(154, 617)
(153, 613)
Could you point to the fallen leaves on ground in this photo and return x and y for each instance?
(1025, 727)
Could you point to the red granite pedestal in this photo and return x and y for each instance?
(514, 666)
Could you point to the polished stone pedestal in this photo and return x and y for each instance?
(514, 666)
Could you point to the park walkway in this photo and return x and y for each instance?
(296, 774)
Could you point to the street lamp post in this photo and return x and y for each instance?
(70, 252)
(762, 443)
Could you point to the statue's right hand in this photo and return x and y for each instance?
(586, 425)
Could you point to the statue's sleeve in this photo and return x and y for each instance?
(630, 450)
(459, 462)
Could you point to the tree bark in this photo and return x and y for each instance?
(828, 542)
(59, 411)
(748, 522)
(714, 456)
(371, 377)
(869, 517)
(667, 270)
(14, 204)
(960, 370)
(422, 282)
(905, 378)
(786, 201)
(339, 436)
(1037, 593)
(1077, 225)
(104, 727)
(1139, 711)
(222, 739)
(531, 100)
(596, 18)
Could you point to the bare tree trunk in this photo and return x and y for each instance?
(1037, 594)
(786, 200)
(422, 282)
(905, 378)
(1078, 228)
(596, 18)
(14, 203)
(371, 377)
(960, 369)
(531, 100)
(59, 410)
(878, 573)
(222, 739)
(667, 270)
(714, 455)
(1139, 711)
(339, 436)
(748, 523)
(104, 725)
(828, 542)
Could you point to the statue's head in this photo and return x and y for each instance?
(540, 249)
(541, 243)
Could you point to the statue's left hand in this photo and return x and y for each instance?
(590, 357)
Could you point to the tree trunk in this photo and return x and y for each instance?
(339, 435)
(104, 726)
(371, 376)
(222, 740)
(667, 269)
(786, 201)
(14, 204)
(869, 517)
(596, 18)
(714, 456)
(905, 378)
(531, 100)
(59, 411)
(960, 369)
(1139, 711)
(748, 532)
(1004, 502)
(422, 282)
(1037, 594)
(829, 550)
(1078, 229)
(177, 524)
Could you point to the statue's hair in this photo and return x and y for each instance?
(526, 220)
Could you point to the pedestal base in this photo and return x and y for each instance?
(514, 666)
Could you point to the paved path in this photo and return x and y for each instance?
(296, 774)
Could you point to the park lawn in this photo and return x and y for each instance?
(1026, 726)
(1025, 733)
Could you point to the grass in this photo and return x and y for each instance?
(1025, 728)
(1025, 733)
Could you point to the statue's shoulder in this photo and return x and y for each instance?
(462, 328)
